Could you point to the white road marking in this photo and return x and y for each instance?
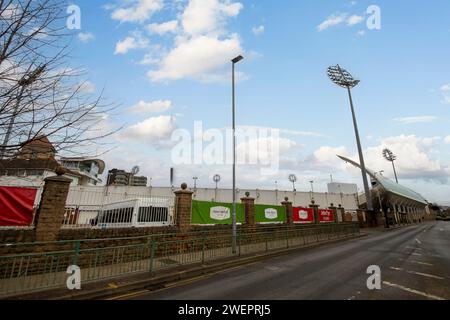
(418, 273)
(426, 275)
(420, 293)
(396, 269)
(417, 262)
(422, 263)
(418, 241)
(416, 254)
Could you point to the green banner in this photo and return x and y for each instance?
(270, 214)
(204, 212)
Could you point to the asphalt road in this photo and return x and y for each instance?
(414, 263)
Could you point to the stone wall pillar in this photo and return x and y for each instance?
(360, 213)
(183, 208)
(335, 213)
(315, 208)
(341, 212)
(249, 209)
(50, 215)
(289, 211)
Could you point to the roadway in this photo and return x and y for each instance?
(414, 262)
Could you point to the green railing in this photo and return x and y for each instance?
(29, 267)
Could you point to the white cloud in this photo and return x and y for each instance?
(130, 43)
(163, 28)
(148, 60)
(361, 33)
(417, 119)
(137, 10)
(413, 158)
(85, 37)
(197, 57)
(206, 16)
(333, 20)
(445, 91)
(150, 107)
(354, 20)
(447, 140)
(152, 130)
(258, 30)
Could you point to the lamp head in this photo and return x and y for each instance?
(341, 77)
(237, 59)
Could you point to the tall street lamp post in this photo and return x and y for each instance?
(233, 63)
(344, 79)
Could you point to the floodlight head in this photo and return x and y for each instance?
(237, 59)
(292, 178)
(389, 155)
(216, 178)
(341, 77)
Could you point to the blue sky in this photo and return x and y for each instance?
(403, 101)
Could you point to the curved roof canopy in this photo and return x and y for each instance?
(390, 185)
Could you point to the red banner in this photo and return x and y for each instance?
(16, 206)
(326, 216)
(303, 215)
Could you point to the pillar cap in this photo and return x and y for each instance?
(184, 190)
(58, 179)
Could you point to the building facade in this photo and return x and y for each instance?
(117, 177)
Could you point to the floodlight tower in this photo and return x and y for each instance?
(391, 157)
(293, 180)
(344, 79)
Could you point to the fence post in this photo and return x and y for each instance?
(287, 237)
(76, 253)
(152, 253)
(50, 215)
(203, 248)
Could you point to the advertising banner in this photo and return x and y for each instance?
(210, 213)
(326, 216)
(16, 206)
(303, 215)
(270, 214)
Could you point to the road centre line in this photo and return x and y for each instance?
(420, 293)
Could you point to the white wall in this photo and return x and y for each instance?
(101, 195)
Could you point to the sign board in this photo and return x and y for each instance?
(303, 215)
(210, 213)
(326, 216)
(270, 214)
(16, 206)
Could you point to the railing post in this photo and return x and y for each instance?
(267, 244)
(203, 248)
(239, 242)
(76, 252)
(287, 237)
(152, 253)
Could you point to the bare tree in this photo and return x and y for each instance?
(41, 93)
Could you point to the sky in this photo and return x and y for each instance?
(166, 65)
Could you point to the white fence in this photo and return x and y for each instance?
(93, 207)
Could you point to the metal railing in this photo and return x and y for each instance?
(39, 266)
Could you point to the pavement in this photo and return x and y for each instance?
(414, 263)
